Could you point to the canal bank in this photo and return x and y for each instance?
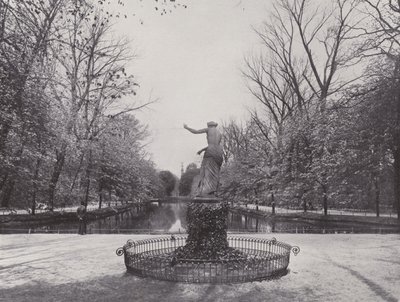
(310, 222)
(27, 220)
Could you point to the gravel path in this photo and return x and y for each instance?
(334, 267)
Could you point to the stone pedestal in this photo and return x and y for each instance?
(207, 229)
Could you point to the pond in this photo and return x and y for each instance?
(171, 218)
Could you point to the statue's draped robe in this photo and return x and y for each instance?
(209, 171)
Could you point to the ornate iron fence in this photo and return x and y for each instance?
(257, 259)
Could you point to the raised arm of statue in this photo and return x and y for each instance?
(194, 130)
(202, 150)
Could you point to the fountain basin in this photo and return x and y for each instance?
(255, 259)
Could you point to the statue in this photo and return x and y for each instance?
(212, 160)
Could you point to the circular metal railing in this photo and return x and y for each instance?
(255, 259)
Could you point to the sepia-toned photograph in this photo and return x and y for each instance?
(199, 150)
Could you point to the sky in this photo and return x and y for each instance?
(190, 61)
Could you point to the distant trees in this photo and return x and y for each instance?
(65, 135)
(186, 181)
(168, 182)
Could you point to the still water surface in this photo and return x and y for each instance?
(171, 218)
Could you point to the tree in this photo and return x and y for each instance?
(247, 160)
(120, 164)
(168, 181)
(93, 78)
(298, 80)
(186, 181)
(383, 40)
(25, 30)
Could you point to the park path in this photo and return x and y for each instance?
(320, 211)
(334, 267)
(91, 207)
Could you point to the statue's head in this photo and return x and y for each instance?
(212, 124)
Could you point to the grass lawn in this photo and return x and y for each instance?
(331, 267)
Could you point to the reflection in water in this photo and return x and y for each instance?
(245, 223)
(248, 223)
(177, 227)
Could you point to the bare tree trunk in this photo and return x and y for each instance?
(396, 153)
(303, 201)
(100, 197)
(377, 195)
(87, 178)
(35, 186)
(4, 181)
(33, 208)
(8, 187)
(77, 171)
(7, 192)
(58, 166)
(6, 125)
(325, 199)
(396, 165)
(5, 128)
